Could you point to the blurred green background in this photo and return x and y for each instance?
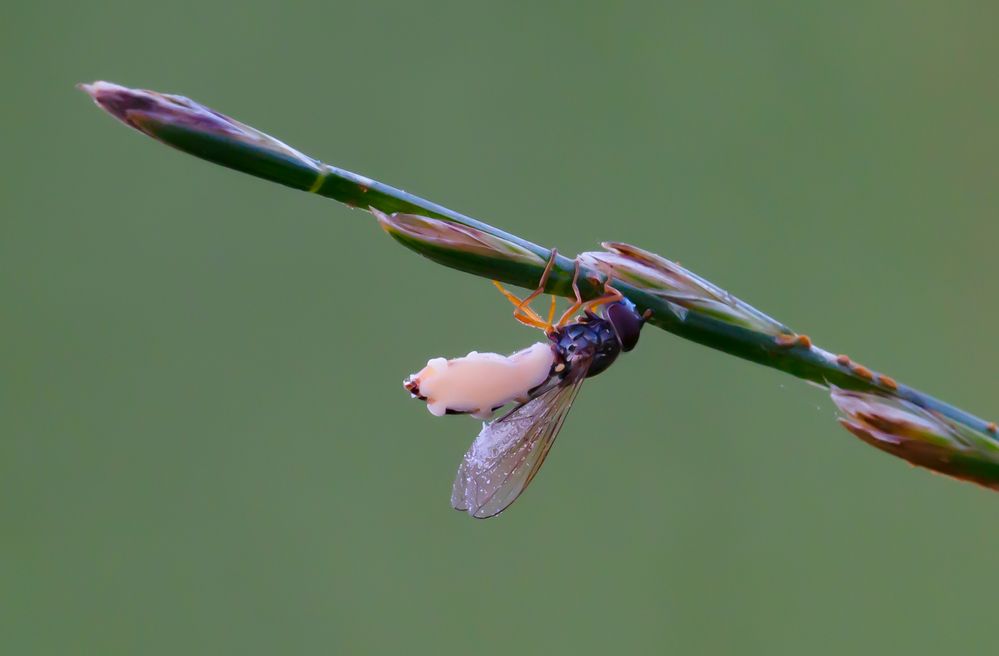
(205, 445)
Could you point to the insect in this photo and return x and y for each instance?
(543, 380)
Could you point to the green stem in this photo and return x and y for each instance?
(262, 156)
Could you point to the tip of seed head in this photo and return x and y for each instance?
(92, 87)
(98, 87)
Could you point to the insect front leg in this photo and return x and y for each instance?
(522, 311)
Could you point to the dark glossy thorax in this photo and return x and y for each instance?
(601, 338)
(594, 338)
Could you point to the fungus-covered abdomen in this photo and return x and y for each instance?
(480, 382)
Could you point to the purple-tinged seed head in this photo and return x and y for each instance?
(161, 115)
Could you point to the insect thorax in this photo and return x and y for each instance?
(592, 338)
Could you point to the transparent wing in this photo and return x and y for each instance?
(509, 451)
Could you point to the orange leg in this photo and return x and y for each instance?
(541, 283)
(578, 303)
(611, 295)
(526, 315)
(523, 311)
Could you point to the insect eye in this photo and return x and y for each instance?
(626, 322)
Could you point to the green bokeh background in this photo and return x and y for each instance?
(204, 444)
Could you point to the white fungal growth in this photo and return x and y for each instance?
(480, 382)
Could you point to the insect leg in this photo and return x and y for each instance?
(523, 312)
(541, 283)
(578, 303)
(610, 295)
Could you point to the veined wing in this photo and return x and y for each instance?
(509, 451)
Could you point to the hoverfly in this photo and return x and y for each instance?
(543, 380)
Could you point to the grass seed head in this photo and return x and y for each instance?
(922, 437)
(685, 289)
